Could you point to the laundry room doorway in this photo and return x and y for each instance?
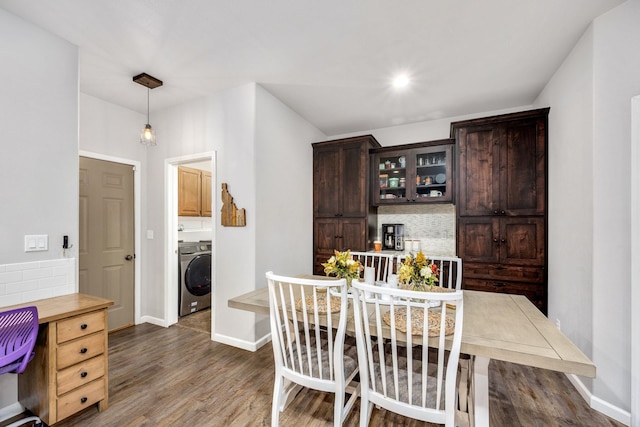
(191, 218)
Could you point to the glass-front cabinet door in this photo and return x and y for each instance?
(417, 173)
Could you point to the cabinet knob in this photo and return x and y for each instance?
(503, 213)
(83, 400)
(495, 240)
(129, 257)
(83, 326)
(83, 374)
(495, 212)
(83, 350)
(502, 240)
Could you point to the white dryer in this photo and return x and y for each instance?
(195, 276)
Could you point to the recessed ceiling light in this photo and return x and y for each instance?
(400, 81)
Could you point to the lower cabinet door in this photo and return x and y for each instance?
(337, 234)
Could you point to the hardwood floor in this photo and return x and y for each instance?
(177, 377)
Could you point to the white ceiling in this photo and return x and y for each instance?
(329, 60)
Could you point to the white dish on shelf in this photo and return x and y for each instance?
(441, 178)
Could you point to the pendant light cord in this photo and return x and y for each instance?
(148, 90)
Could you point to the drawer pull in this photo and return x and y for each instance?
(498, 284)
(83, 374)
(83, 350)
(83, 326)
(83, 400)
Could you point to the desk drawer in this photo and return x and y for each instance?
(79, 350)
(80, 326)
(80, 399)
(80, 374)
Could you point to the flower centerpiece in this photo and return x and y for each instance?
(417, 273)
(343, 266)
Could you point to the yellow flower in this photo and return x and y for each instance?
(342, 265)
(417, 273)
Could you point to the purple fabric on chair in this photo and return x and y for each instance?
(18, 333)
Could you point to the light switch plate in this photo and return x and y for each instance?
(36, 242)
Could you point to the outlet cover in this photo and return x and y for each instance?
(36, 242)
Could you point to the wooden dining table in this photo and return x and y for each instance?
(496, 326)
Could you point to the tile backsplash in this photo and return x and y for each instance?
(434, 225)
(30, 281)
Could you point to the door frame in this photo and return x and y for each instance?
(171, 231)
(137, 173)
(635, 267)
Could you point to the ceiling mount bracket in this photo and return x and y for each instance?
(148, 81)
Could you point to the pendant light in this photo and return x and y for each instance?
(148, 136)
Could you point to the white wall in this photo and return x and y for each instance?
(423, 131)
(39, 142)
(590, 175)
(616, 81)
(571, 181)
(284, 196)
(39, 139)
(250, 131)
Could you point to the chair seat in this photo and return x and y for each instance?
(350, 358)
(416, 387)
(11, 368)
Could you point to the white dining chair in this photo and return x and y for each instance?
(382, 263)
(308, 321)
(449, 269)
(412, 371)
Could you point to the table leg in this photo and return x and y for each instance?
(481, 391)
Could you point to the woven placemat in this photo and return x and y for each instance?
(322, 304)
(417, 320)
(438, 289)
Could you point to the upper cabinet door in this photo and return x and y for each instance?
(189, 191)
(327, 177)
(479, 166)
(355, 162)
(502, 168)
(340, 174)
(522, 179)
(417, 173)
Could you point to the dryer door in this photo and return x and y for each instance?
(197, 277)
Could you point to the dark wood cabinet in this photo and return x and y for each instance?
(501, 203)
(338, 234)
(504, 168)
(413, 173)
(343, 217)
(513, 240)
(340, 178)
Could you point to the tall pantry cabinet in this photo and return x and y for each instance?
(502, 203)
(343, 217)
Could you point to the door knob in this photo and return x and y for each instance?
(128, 257)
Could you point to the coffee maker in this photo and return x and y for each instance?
(393, 237)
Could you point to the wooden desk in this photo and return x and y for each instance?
(70, 370)
(496, 326)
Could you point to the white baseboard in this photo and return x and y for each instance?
(154, 321)
(598, 404)
(245, 345)
(11, 411)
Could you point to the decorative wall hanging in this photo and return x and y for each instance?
(231, 216)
